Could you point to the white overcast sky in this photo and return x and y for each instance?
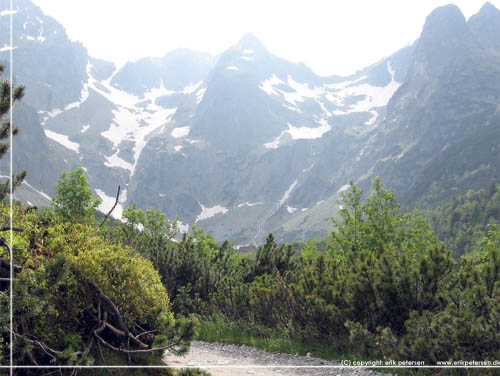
(330, 36)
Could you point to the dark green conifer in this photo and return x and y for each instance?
(5, 128)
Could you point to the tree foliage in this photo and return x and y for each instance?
(462, 223)
(386, 286)
(7, 100)
(74, 200)
(77, 293)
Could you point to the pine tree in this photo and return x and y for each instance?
(5, 127)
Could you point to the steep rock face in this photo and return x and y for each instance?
(445, 54)
(101, 69)
(175, 71)
(451, 90)
(234, 89)
(42, 158)
(486, 27)
(55, 80)
(471, 163)
(57, 77)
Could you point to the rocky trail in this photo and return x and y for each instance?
(233, 360)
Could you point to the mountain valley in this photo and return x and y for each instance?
(246, 143)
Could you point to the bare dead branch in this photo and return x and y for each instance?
(113, 208)
(103, 324)
(145, 333)
(118, 332)
(46, 349)
(136, 351)
(118, 315)
(7, 228)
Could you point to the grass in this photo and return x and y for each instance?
(219, 329)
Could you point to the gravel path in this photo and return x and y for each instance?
(233, 360)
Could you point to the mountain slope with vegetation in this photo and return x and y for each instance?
(462, 223)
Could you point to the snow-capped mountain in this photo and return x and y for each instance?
(248, 149)
(247, 143)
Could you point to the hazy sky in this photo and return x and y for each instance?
(330, 36)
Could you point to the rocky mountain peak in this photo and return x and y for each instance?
(250, 42)
(446, 39)
(489, 9)
(56, 79)
(444, 23)
(486, 27)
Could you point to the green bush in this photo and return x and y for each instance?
(76, 291)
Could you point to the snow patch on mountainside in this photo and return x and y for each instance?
(116, 161)
(233, 68)
(373, 118)
(268, 85)
(83, 97)
(344, 188)
(192, 88)
(295, 109)
(210, 212)
(199, 95)
(323, 108)
(309, 133)
(286, 195)
(7, 47)
(130, 122)
(348, 96)
(155, 93)
(63, 140)
(8, 12)
(249, 204)
(124, 126)
(373, 96)
(46, 115)
(298, 133)
(41, 193)
(307, 169)
(41, 38)
(180, 132)
(302, 91)
(130, 125)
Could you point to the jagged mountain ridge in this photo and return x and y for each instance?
(257, 132)
(247, 143)
(451, 91)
